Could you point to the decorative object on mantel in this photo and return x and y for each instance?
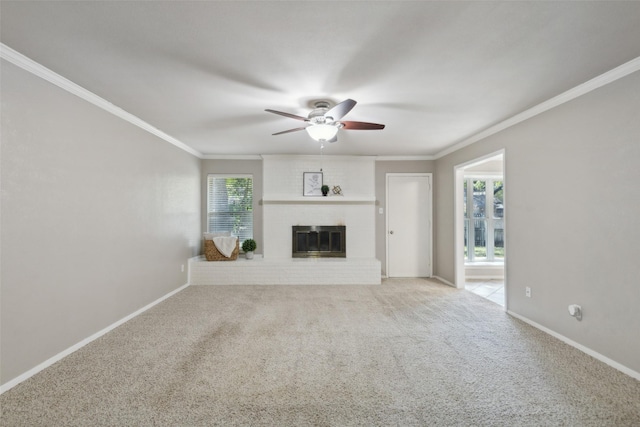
(312, 183)
(212, 253)
(325, 190)
(337, 190)
(248, 246)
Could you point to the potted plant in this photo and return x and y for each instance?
(248, 246)
(325, 190)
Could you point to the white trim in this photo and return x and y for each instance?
(31, 372)
(232, 157)
(459, 272)
(445, 281)
(458, 226)
(481, 175)
(587, 350)
(505, 232)
(573, 93)
(475, 264)
(394, 158)
(351, 157)
(254, 201)
(482, 159)
(18, 59)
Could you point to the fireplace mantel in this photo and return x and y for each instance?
(294, 200)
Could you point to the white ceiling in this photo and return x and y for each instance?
(436, 73)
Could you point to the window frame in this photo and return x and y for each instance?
(489, 218)
(229, 176)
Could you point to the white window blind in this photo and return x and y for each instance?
(230, 205)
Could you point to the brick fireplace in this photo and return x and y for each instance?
(284, 205)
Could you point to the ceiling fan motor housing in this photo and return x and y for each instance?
(317, 115)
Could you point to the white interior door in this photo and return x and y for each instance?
(409, 225)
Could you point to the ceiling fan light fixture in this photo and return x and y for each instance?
(322, 132)
(323, 123)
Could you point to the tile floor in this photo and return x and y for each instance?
(491, 289)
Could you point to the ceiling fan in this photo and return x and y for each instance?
(323, 122)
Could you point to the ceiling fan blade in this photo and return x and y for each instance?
(290, 130)
(362, 126)
(340, 110)
(293, 116)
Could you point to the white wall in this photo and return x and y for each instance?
(284, 205)
(572, 223)
(97, 218)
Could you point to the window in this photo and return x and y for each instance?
(484, 219)
(230, 205)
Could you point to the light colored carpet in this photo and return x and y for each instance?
(411, 352)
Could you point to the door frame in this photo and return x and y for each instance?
(458, 210)
(429, 214)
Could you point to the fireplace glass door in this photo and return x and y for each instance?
(315, 241)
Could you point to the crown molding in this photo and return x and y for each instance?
(41, 71)
(353, 157)
(232, 157)
(403, 158)
(262, 156)
(27, 64)
(582, 89)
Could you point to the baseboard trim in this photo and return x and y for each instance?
(31, 372)
(587, 350)
(445, 281)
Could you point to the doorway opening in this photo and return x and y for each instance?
(480, 227)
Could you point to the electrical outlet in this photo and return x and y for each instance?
(182, 268)
(527, 292)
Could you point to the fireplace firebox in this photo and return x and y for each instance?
(319, 241)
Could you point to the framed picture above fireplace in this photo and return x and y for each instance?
(312, 183)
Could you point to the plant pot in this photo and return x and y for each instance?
(249, 255)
